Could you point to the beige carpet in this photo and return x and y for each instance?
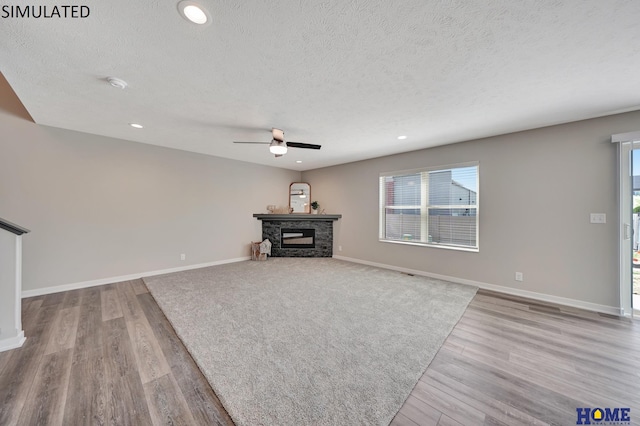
(310, 341)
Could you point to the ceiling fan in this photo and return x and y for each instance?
(279, 147)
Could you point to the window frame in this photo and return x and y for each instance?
(424, 206)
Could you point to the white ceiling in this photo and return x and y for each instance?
(349, 75)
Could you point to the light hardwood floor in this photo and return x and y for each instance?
(514, 361)
(107, 355)
(103, 356)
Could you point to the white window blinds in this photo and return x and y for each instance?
(431, 206)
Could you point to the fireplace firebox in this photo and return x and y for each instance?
(297, 238)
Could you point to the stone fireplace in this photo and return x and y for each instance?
(299, 235)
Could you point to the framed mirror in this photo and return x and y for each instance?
(300, 197)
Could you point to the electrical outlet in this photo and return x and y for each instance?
(339, 248)
(598, 218)
(519, 276)
(183, 256)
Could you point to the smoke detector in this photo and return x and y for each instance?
(116, 82)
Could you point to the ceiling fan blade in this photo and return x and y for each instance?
(262, 143)
(277, 134)
(302, 145)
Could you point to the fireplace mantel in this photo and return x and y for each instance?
(318, 227)
(297, 216)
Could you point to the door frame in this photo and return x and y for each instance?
(626, 143)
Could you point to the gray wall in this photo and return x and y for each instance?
(100, 207)
(537, 189)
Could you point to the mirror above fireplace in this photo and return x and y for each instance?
(300, 197)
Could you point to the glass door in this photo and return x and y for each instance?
(629, 208)
(635, 226)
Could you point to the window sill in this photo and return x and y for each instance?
(433, 245)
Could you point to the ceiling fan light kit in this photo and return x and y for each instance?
(278, 147)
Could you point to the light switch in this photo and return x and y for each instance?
(598, 218)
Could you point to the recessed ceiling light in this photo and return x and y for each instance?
(136, 125)
(298, 161)
(193, 12)
(402, 137)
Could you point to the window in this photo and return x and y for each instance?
(432, 206)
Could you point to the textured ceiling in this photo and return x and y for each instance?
(349, 75)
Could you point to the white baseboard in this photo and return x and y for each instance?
(110, 280)
(493, 287)
(12, 342)
(497, 288)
